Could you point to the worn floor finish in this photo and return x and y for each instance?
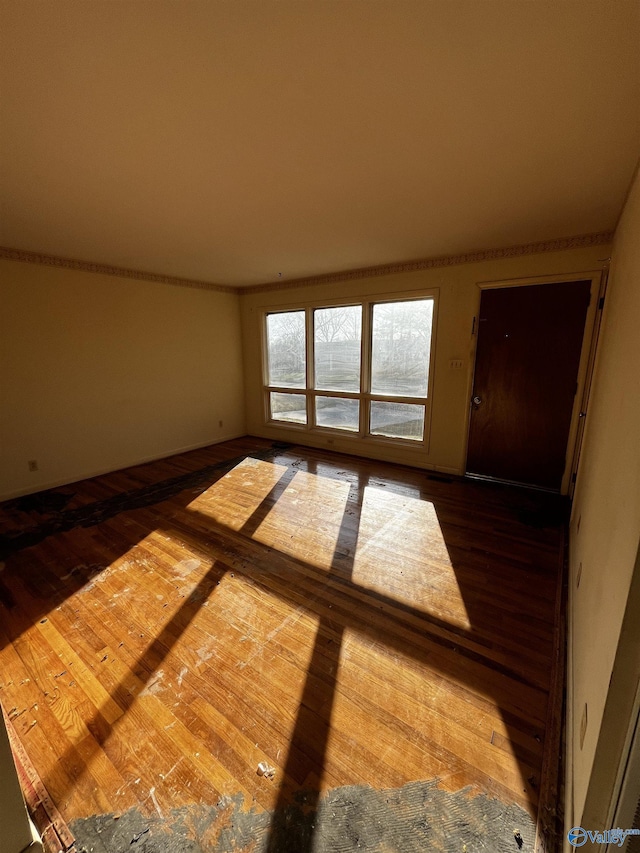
(381, 638)
(416, 818)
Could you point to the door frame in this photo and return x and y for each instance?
(585, 367)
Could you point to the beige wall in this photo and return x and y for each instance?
(607, 501)
(458, 302)
(99, 372)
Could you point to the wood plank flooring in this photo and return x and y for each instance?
(348, 623)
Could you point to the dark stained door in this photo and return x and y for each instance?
(527, 358)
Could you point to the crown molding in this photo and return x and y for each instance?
(558, 245)
(561, 244)
(107, 269)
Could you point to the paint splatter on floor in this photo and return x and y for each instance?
(416, 818)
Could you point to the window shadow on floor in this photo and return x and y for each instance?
(478, 542)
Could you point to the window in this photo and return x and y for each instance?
(285, 333)
(358, 368)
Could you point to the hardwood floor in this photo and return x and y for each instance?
(166, 629)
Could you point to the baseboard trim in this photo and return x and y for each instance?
(99, 472)
(550, 824)
(350, 446)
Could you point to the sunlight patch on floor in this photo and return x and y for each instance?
(234, 498)
(295, 528)
(401, 553)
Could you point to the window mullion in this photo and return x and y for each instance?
(393, 398)
(365, 368)
(311, 369)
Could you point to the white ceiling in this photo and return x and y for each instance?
(231, 141)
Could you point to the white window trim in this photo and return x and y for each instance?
(364, 396)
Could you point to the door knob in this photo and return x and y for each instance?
(477, 401)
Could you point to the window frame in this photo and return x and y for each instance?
(365, 397)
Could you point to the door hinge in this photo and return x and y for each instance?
(473, 327)
(601, 303)
(574, 477)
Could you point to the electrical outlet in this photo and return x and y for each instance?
(456, 363)
(579, 576)
(32, 464)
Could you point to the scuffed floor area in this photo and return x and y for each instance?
(416, 818)
(381, 637)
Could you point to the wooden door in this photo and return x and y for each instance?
(527, 358)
